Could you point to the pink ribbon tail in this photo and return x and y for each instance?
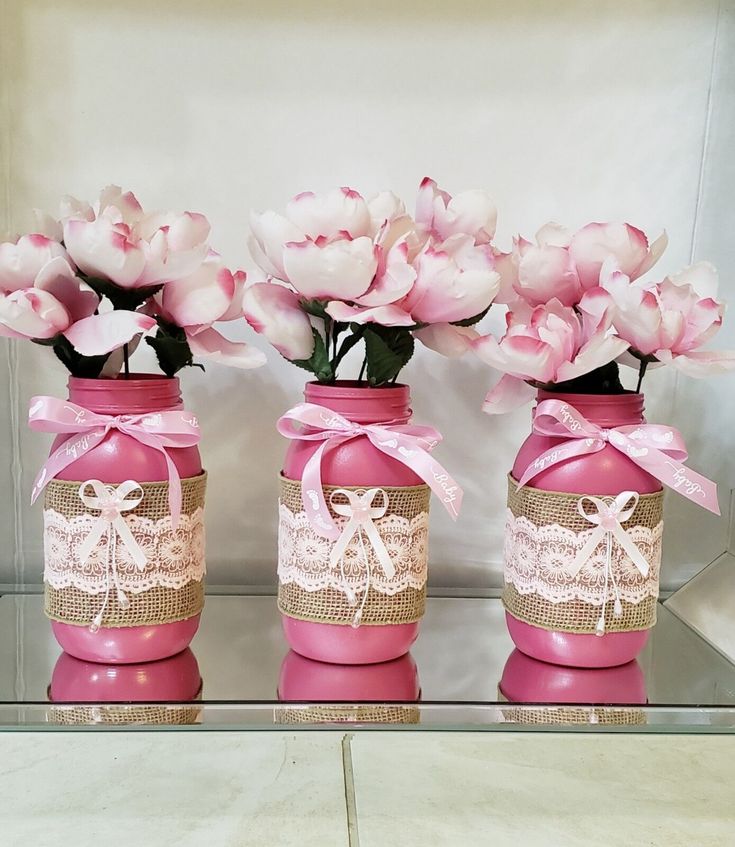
(408, 444)
(86, 429)
(658, 450)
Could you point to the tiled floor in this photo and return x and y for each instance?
(372, 789)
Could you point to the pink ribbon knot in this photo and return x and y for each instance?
(407, 443)
(659, 450)
(85, 430)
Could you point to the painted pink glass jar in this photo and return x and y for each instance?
(544, 552)
(527, 680)
(153, 618)
(318, 618)
(304, 680)
(174, 679)
(160, 693)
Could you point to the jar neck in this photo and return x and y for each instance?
(362, 404)
(137, 394)
(605, 410)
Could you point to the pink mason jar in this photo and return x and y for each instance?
(126, 694)
(601, 696)
(354, 614)
(106, 606)
(384, 693)
(599, 616)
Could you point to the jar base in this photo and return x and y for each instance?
(343, 645)
(576, 650)
(126, 644)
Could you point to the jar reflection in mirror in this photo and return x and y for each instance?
(132, 690)
(606, 696)
(382, 693)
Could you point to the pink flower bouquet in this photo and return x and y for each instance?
(91, 285)
(342, 270)
(584, 522)
(578, 305)
(93, 282)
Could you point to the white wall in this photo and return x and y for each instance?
(574, 111)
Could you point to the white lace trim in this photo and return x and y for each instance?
(538, 561)
(174, 558)
(303, 555)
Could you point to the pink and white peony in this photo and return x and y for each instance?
(669, 322)
(210, 294)
(549, 343)
(596, 243)
(562, 265)
(468, 213)
(274, 311)
(372, 265)
(21, 261)
(58, 302)
(117, 241)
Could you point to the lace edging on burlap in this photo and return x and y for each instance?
(108, 587)
(545, 532)
(359, 590)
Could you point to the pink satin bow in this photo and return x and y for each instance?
(406, 443)
(659, 450)
(86, 429)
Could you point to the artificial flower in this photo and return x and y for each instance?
(274, 311)
(548, 344)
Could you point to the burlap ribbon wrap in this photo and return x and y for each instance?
(546, 585)
(156, 576)
(127, 714)
(358, 714)
(356, 589)
(572, 715)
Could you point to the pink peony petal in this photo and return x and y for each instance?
(339, 270)
(508, 394)
(100, 248)
(390, 315)
(100, 334)
(59, 279)
(339, 210)
(30, 313)
(22, 261)
(211, 345)
(270, 233)
(596, 242)
(200, 298)
(598, 351)
(701, 363)
(548, 272)
(447, 339)
(275, 312)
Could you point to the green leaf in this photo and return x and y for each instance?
(317, 308)
(357, 333)
(122, 298)
(87, 367)
(472, 321)
(387, 350)
(318, 363)
(172, 348)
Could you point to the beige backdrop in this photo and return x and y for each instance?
(572, 111)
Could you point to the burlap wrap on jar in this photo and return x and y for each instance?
(109, 588)
(572, 715)
(544, 533)
(357, 714)
(129, 714)
(356, 590)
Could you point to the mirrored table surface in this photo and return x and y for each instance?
(462, 672)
